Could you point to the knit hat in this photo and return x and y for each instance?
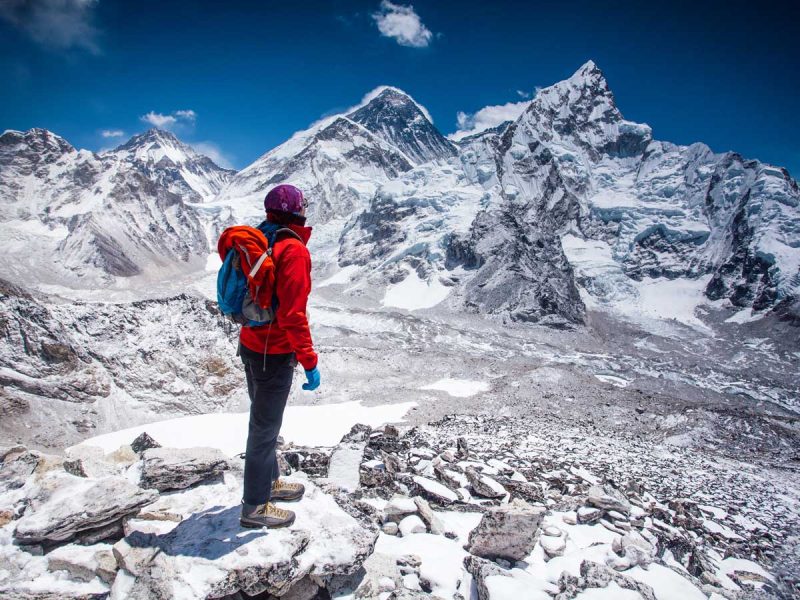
(285, 198)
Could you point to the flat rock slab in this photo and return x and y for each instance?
(608, 498)
(508, 532)
(73, 505)
(209, 555)
(166, 469)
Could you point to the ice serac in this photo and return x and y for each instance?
(394, 116)
(174, 165)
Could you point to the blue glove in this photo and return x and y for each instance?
(313, 380)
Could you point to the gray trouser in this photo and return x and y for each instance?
(269, 380)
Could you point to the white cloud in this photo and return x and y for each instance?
(162, 121)
(523, 94)
(488, 116)
(215, 153)
(188, 115)
(112, 133)
(402, 24)
(59, 24)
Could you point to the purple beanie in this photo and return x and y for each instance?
(285, 198)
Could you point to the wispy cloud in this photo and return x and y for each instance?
(523, 94)
(488, 116)
(403, 24)
(112, 133)
(59, 24)
(215, 153)
(168, 121)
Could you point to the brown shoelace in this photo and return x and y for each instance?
(280, 484)
(270, 510)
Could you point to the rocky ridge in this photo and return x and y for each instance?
(464, 503)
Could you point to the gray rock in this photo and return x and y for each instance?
(18, 464)
(608, 498)
(634, 550)
(595, 575)
(485, 486)
(481, 569)
(330, 544)
(87, 508)
(390, 528)
(508, 531)
(589, 515)
(311, 461)
(178, 468)
(433, 522)
(462, 452)
(84, 563)
(144, 442)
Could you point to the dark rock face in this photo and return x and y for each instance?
(396, 118)
(143, 442)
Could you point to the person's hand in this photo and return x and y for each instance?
(313, 380)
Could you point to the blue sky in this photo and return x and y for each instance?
(237, 78)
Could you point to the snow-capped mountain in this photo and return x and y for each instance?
(69, 214)
(570, 205)
(175, 165)
(394, 116)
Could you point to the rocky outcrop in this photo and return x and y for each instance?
(175, 469)
(68, 507)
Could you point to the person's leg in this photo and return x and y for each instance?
(270, 382)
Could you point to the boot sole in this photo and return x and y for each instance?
(295, 499)
(253, 525)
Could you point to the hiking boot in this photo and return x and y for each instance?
(265, 515)
(283, 491)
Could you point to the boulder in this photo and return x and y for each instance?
(178, 468)
(433, 490)
(483, 485)
(508, 531)
(587, 515)
(80, 507)
(608, 498)
(398, 508)
(431, 520)
(634, 551)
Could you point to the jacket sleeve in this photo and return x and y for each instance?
(292, 286)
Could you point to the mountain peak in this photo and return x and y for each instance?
(150, 137)
(38, 139)
(393, 115)
(589, 75)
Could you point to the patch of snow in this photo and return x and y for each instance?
(459, 388)
(322, 425)
(414, 293)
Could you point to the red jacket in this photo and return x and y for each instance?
(289, 332)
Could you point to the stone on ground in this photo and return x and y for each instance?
(508, 531)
